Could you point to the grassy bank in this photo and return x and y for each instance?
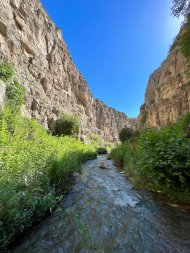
(159, 160)
(36, 168)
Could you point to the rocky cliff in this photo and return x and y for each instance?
(167, 95)
(30, 40)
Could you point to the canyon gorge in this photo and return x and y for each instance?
(43, 64)
(34, 44)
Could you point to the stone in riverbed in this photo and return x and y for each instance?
(104, 166)
(76, 174)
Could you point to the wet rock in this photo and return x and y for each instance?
(105, 166)
(76, 174)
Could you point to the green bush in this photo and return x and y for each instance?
(101, 151)
(184, 40)
(6, 71)
(67, 125)
(15, 95)
(166, 158)
(96, 141)
(118, 154)
(125, 134)
(14, 101)
(36, 168)
(159, 159)
(183, 126)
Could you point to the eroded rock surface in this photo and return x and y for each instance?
(30, 40)
(168, 92)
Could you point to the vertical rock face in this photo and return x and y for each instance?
(30, 40)
(168, 92)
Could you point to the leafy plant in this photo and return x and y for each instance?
(125, 134)
(15, 95)
(36, 168)
(118, 154)
(184, 39)
(159, 159)
(6, 71)
(101, 151)
(67, 125)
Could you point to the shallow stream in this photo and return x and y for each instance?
(103, 213)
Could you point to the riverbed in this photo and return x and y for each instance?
(103, 213)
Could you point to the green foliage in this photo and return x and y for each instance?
(181, 7)
(185, 40)
(144, 117)
(118, 154)
(125, 134)
(165, 159)
(15, 95)
(36, 168)
(6, 71)
(159, 159)
(96, 142)
(101, 151)
(14, 101)
(67, 125)
(100, 146)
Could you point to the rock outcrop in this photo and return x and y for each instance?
(168, 92)
(30, 40)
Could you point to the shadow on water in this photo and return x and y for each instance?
(103, 213)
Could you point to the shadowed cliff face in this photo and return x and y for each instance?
(168, 92)
(30, 40)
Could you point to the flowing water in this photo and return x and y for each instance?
(103, 213)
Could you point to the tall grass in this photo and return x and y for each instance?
(36, 168)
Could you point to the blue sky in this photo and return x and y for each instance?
(116, 44)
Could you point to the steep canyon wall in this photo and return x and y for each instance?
(31, 41)
(167, 95)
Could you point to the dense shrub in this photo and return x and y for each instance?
(35, 168)
(15, 95)
(160, 159)
(67, 125)
(185, 39)
(118, 154)
(6, 71)
(125, 134)
(165, 159)
(96, 141)
(101, 151)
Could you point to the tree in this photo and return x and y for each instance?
(125, 134)
(181, 8)
(67, 125)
